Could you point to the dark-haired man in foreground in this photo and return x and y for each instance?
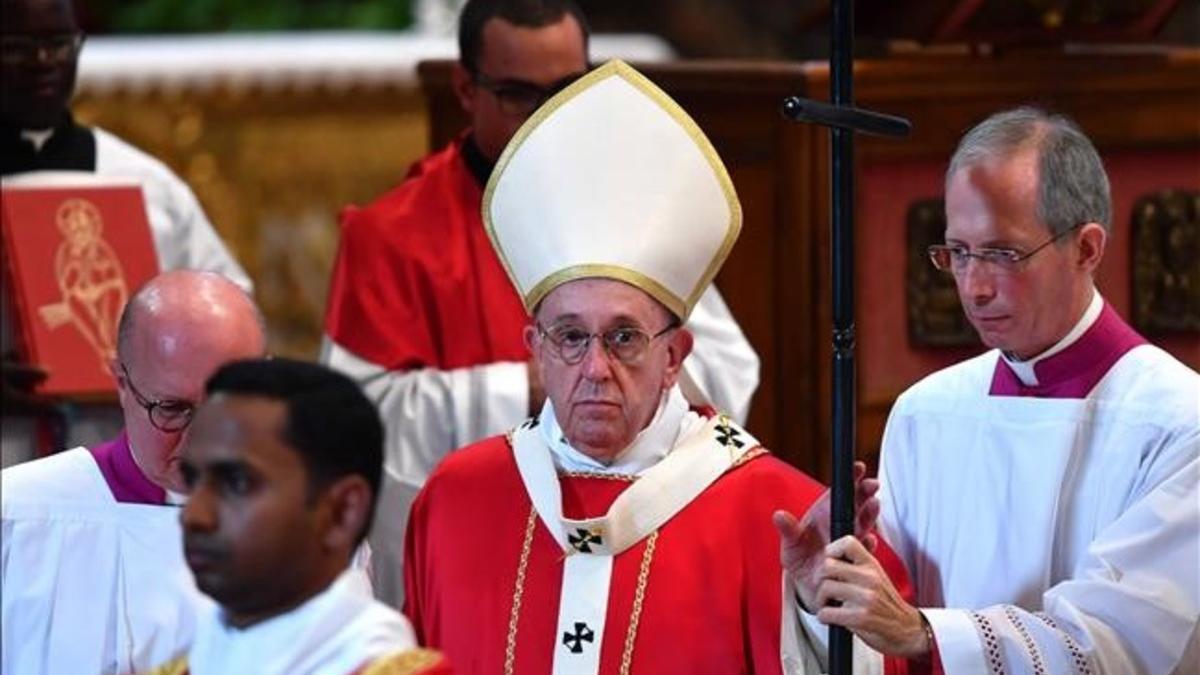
(283, 464)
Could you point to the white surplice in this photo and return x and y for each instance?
(1063, 534)
(334, 633)
(89, 585)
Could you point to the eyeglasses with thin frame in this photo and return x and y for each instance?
(17, 50)
(953, 257)
(624, 343)
(168, 415)
(518, 97)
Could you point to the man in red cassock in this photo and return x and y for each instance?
(421, 313)
(619, 528)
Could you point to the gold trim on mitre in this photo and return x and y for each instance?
(631, 277)
(680, 306)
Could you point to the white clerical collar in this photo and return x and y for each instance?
(346, 585)
(1024, 370)
(37, 137)
(648, 448)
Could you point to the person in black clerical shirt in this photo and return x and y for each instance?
(40, 43)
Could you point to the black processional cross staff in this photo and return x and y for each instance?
(843, 119)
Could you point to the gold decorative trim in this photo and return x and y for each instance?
(634, 278)
(622, 477)
(618, 68)
(176, 666)
(510, 645)
(639, 597)
(404, 662)
(750, 454)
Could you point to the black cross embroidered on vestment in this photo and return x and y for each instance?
(582, 634)
(727, 435)
(583, 539)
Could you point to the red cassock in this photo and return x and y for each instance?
(416, 283)
(710, 598)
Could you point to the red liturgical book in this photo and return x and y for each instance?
(72, 256)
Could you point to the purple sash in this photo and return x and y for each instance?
(1075, 371)
(127, 482)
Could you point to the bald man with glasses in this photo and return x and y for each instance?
(41, 144)
(93, 574)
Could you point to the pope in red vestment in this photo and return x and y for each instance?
(703, 594)
(421, 312)
(424, 317)
(709, 600)
(619, 530)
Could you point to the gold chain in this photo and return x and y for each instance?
(639, 597)
(510, 647)
(624, 477)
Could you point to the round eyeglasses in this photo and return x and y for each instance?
(954, 257)
(626, 343)
(168, 415)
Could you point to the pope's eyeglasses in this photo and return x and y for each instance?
(624, 343)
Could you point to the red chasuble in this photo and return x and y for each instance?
(708, 601)
(416, 283)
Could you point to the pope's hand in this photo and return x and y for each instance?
(802, 543)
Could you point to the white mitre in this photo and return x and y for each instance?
(611, 178)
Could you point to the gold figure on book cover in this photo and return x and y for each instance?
(90, 279)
